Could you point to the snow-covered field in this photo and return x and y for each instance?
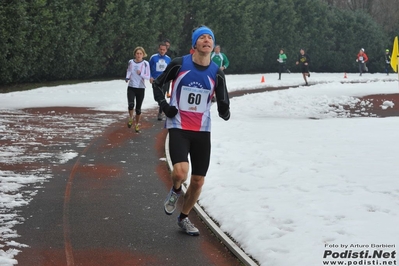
(287, 188)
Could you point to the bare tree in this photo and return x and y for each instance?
(384, 12)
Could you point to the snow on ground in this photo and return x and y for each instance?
(286, 187)
(29, 164)
(111, 95)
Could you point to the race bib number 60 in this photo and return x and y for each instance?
(193, 99)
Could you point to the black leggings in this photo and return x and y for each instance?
(362, 67)
(387, 68)
(135, 93)
(305, 69)
(281, 68)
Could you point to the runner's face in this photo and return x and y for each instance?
(217, 49)
(139, 55)
(205, 43)
(162, 50)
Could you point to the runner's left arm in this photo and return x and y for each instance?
(129, 71)
(145, 71)
(366, 58)
(222, 96)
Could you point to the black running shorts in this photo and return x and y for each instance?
(197, 144)
(305, 69)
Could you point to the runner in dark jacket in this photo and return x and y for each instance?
(171, 53)
(303, 62)
(387, 61)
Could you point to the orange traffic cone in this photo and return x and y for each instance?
(345, 76)
(262, 80)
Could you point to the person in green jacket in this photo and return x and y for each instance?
(220, 58)
(282, 59)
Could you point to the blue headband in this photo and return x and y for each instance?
(198, 32)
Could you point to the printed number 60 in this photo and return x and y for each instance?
(193, 98)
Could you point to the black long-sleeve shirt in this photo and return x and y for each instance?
(302, 59)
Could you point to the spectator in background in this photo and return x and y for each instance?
(138, 70)
(387, 61)
(303, 62)
(158, 63)
(170, 52)
(362, 58)
(220, 58)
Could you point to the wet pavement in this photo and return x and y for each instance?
(105, 206)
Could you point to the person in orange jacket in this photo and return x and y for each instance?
(362, 58)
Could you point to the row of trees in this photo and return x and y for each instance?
(77, 39)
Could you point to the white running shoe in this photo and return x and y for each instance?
(171, 201)
(187, 226)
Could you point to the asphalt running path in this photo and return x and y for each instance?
(105, 206)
